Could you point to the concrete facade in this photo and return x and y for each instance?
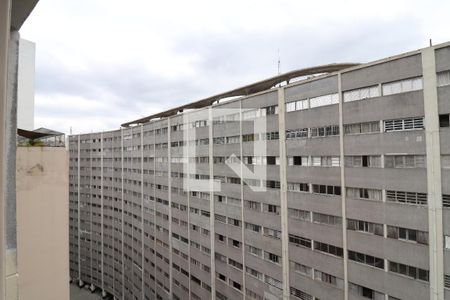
(357, 204)
(42, 223)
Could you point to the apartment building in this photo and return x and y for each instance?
(343, 192)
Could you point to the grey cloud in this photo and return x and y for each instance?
(225, 61)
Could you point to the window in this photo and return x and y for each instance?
(250, 137)
(235, 264)
(233, 139)
(302, 269)
(410, 271)
(220, 257)
(326, 189)
(234, 222)
(326, 219)
(252, 205)
(326, 161)
(276, 234)
(412, 235)
(296, 105)
(327, 278)
(272, 257)
(444, 120)
(366, 259)
(221, 277)
(253, 227)
(331, 130)
(363, 193)
(219, 140)
(299, 214)
(220, 237)
(252, 295)
(365, 292)
(358, 128)
(402, 86)
(254, 250)
(403, 124)
(290, 106)
(364, 226)
(273, 282)
(219, 295)
(297, 187)
(365, 161)
(405, 161)
(272, 184)
(233, 180)
(297, 160)
(272, 160)
(220, 218)
(270, 110)
(299, 241)
(443, 78)
(270, 136)
(446, 200)
(363, 93)
(297, 133)
(301, 104)
(327, 248)
(300, 294)
(407, 197)
(270, 208)
(324, 100)
(447, 242)
(447, 281)
(254, 273)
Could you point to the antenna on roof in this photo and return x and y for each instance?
(431, 43)
(70, 130)
(279, 62)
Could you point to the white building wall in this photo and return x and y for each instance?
(25, 87)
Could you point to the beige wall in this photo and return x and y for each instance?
(42, 223)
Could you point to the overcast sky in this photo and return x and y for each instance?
(100, 63)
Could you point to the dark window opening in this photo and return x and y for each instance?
(365, 161)
(444, 120)
(297, 160)
(271, 160)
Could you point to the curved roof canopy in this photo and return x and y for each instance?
(245, 90)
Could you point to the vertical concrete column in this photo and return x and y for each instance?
(102, 207)
(283, 192)
(91, 219)
(434, 180)
(169, 177)
(154, 209)
(123, 214)
(186, 139)
(343, 190)
(80, 283)
(211, 203)
(241, 175)
(5, 16)
(10, 162)
(142, 214)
